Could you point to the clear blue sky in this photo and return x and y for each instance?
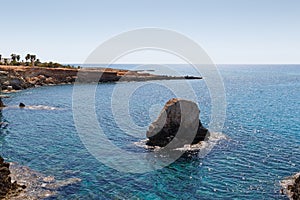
(231, 31)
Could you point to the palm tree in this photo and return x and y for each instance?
(27, 57)
(5, 61)
(32, 58)
(13, 57)
(18, 58)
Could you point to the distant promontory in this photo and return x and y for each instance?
(17, 74)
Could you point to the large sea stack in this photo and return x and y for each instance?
(179, 118)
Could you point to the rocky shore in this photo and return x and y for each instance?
(291, 187)
(22, 77)
(7, 186)
(21, 183)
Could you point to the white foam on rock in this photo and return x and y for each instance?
(203, 147)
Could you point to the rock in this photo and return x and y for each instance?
(16, 83)
(3, 73)
(291, 187)
(6, 185)
(38, 186)
(9, 88)
(49, 80)
(178, 118)
(22, 105)
(296, 189)
(41, 77)
(1, 103)
(32, 80)
(6, 83)
(49, 179)
(70, 79)
(63, 183)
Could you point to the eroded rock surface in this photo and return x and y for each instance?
(291, 187)
(38, 186)
(7, 186)
(177, 125)
(22, 183)
(14, 78)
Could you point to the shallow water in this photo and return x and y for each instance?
(262, 124)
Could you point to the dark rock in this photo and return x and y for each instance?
(1, 103)
(6, 185)
(70, 79)
(21, 105)
(178, 122)
(16, 83)
(296, 189)
(291, 187)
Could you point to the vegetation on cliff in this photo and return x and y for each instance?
(30, 60)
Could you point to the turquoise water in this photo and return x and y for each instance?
(262, 125)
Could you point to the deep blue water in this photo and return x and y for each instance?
(262, 124)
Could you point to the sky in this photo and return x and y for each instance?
(230, 31)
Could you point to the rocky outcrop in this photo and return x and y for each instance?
(38, 186)
(291, 187)
(177, 123)
(31, 184)
(21, 77)
(22, 105)
(7, 187)
(18, 78)
(1, 103)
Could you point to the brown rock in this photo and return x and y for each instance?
(6, 185)
(291, 187)
(178, 122)
(49, 80)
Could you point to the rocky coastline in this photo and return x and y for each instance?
(14, 78)
(22, 183)
(291, 187)
(7, 186)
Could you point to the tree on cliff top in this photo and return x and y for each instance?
(27, 57)
(32, 58)
(15, 59)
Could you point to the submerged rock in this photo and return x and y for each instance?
(177, 123)
(38, 186)
(291, 187)
(30, 185)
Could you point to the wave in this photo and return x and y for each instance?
(202, 147)
(34, 107)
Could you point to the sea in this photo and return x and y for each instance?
(259, 147)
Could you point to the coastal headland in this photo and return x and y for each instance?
(23, 77)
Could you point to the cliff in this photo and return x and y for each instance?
(21, 77)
